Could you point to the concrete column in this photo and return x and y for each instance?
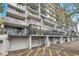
(75, 38)
(61, 39)
(30, 42)
(47, 41)
(68, 39)
(5, 45)
(54, 40)
(72, 39)
(25, 31)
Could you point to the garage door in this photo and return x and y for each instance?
(36, 43)
(18, 43)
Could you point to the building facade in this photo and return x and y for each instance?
(32, 25)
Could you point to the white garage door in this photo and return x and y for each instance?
(18, 43)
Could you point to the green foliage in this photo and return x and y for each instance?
(1, 8)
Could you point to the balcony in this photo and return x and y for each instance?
(33, 5)
(33, 22)
(32, 10)
(40, 30)
(35, 30)
(15, 13)
(33, 16)
(47, 20)
(14, 31)
(18, 7)
(15, 21)
(50, 18)
(61, 30)
(50, 24)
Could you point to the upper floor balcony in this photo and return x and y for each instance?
(31, 21)
(48, 20)
(40, 30)
(34, 6)
(15, 13)
(15, 21)
(34, 16)
(18, 6)
(14, 31)
(32, 10)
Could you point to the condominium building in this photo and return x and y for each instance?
(32, 25)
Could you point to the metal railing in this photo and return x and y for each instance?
(16, 12)
(19, 7)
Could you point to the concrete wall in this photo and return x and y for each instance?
(22, 42)
(1, 44)
(17, 43)
(4, 43)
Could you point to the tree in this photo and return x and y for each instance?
(1, 8)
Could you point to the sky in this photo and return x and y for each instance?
(5, 6)
(70, 8)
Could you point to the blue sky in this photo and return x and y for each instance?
(70, 8)
(5, 6)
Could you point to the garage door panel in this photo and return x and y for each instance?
(19, 43)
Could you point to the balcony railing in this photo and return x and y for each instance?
(35, 30)
(16, 5)
(16, 12)
(47, 20)
(14, 31)
(32, 10)
(33, 5)
(33, 22)
(10, 31)
(40, 30)
(15, 21)
(33, 15)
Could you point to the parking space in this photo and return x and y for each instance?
(41, 51)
